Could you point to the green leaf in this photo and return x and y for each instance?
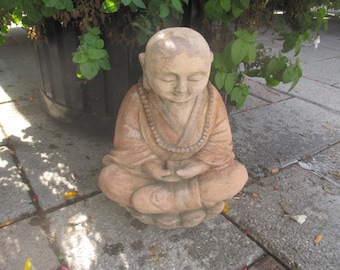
(218, 61)
(94, 31)
(289, 74)
(47, 11)
(219, 79)
(100, 44)
(245, 36)
(79, 57)
(90, 40)
(126, 2)
(251, 54)
(272, 82)
(89, 69)
(177, 5)
(245, 3)
(290, 42)
(213, 9)
(271, 68)
(104, 64)
(239, 51)
(96, 54)
(298, 46)
(225, 4)
(139, 3)
(236, 12)
(239, 95)
(49, 3)
(109, 6)
(68, 5)
(320, 14)
(163, 10)
(9, 4)
(227, 59)
(230, 81)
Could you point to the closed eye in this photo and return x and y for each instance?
(196, 78)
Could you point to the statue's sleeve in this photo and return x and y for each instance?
(129, 147)
(218, 151)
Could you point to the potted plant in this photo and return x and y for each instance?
(87, 49)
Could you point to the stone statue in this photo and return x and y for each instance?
(172, 163)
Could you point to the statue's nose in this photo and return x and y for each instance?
(181, 87)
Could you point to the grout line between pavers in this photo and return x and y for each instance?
(39, 216)
(268, 253)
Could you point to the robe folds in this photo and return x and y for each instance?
(206, 136)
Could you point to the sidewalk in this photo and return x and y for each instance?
(279, 136)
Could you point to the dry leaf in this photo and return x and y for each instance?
(70, 194)
(255, 195)
(275, 171)
(226, 208)
(30, 99)
(317, 238)
(6, 223)
(12, 153)
(336, 174)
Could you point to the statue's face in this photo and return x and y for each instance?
(179, 78)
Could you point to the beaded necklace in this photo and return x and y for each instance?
(158, 137)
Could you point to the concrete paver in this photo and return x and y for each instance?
(14, 198)
(112, 239)
(316, 92)
(263, 212)
(56, 159)
(21, 241)
(272, 136)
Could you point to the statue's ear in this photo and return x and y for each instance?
(141, 57)
(211, 57)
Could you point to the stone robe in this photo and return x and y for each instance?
(147, 130)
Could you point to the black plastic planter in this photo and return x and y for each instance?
(92, 104)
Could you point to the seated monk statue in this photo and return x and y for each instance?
(172, 162)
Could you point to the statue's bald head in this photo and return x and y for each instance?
(166, 44)
(172, 41)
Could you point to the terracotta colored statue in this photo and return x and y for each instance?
(172, 163)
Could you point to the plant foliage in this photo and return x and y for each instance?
(230, 26)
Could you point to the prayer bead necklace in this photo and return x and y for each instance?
(158, 137)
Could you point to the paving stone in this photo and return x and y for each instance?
(327, 163)
(272, 136)
(99, 234)
(251, 103)
(17, 81)
(268, 263)
(325, 71)
(316, 92)
(14, 199)
(264, 92)
(57, 158)
(263, 212)
(21, 241)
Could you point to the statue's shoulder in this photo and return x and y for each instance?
(132, 94)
